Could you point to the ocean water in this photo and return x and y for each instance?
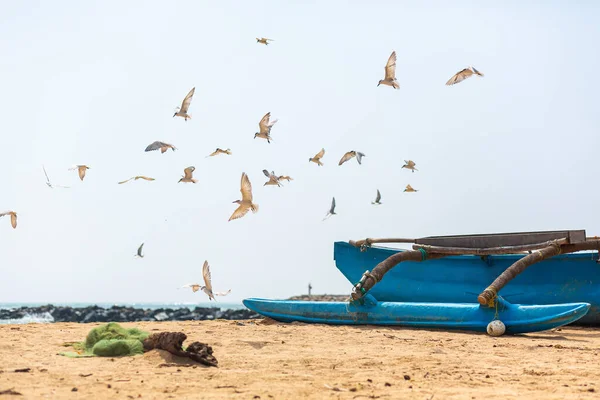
(145, 306)
(46, 317)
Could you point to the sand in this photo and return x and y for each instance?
(268, 360)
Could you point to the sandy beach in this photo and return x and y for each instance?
(269, 360)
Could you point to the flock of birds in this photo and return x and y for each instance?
(265, 125)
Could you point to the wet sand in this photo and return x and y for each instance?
(269, 360)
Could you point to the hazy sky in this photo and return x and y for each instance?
(95, 82)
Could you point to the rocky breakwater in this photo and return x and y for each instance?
(321, 297)
(123, 314)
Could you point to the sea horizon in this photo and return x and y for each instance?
(142, 305)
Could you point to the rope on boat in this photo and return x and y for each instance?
(492, 300)
(496, 314)
(370, 275)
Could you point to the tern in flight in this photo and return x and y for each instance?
(331, 210)
(462, 75)
(390, 73)
(350, 155)
(265, 126)
(273, 179)
(185, 105)
(187, 177)
(317, 158)
(207, 288)
(139, 251)
(219, 151)
(246, 203)
(160, 145)
(377, 199)
(264, 41)
(50, 185)
(13, 218)
(81, 169)
(410, 164)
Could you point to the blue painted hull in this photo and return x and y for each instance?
(466, 317)
(568, 278)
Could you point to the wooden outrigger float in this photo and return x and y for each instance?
(441, 292)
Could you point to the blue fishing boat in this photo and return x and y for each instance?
(454, 282)
(461, 278)
(467, 317)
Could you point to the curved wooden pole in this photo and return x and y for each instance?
(488, 250)
(370, 278)
(489, 294)
(368, 241)
(587, 245)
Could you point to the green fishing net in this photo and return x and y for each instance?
(110, 340)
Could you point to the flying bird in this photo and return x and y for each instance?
(390, 73)
(185, 105)
(264, 41)
(317, 158)
(50, 185)
(462, 75)
(265, 128)
(246, 203)
(331, 210)
(146, 178)
(410, 164)
(273, 179)
(351, 154)
(160, 145)
(139, 251)
(377, 199)
(13, 218)
(207, 288)
(81, 169)
(410, 189)
(187, 177)
(219, 151)
(285, 178)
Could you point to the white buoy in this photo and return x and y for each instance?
(496, 328)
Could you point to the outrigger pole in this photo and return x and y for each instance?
(538, 246)
(488, 296)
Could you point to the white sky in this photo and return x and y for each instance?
(95, 82)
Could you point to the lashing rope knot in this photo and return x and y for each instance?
(492, 301)
(359, 287)
(366, 245)
(558, 248)
(370, 275)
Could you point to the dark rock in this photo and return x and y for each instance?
(89, 317)
(185, 317)
(162, 316)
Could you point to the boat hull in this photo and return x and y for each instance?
(448, 316)
(568, 278)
